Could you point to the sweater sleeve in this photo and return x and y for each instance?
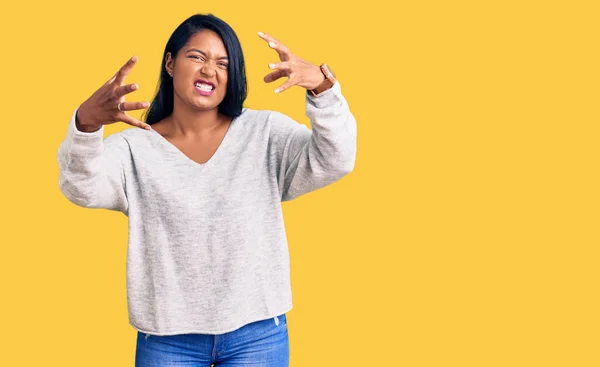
(311, 159)
(91, 173)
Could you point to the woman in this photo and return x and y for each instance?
(202, 181)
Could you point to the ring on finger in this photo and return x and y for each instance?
(119, 107)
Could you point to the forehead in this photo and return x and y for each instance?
(207, 41)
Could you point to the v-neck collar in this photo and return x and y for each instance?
(222, 146)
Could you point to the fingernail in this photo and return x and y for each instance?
(276, 90)
(134, 58)
(272, 44)
(271, 66)
(134, 87)
(148, 127)
(146, 104)
(261, 34)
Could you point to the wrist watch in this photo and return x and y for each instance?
(327, 83)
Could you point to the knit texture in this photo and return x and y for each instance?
(207, 248)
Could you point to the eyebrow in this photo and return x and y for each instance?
(204, 53)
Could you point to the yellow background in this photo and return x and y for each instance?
(467, 235)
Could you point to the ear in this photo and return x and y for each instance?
(169, 63)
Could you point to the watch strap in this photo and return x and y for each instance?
(327, 83)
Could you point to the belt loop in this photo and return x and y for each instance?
(276, 320)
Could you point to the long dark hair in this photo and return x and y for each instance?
(237, 88)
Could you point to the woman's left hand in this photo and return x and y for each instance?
(299, 72)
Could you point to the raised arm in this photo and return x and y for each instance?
(310, 159)
(91, 167)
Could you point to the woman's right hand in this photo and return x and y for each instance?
(102, 108)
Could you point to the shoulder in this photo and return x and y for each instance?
(127, 140)
(130, 135)
(252, 115)
(275, 121)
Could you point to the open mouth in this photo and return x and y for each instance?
(204, 86)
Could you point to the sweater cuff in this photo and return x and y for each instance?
(83, 134)
(85, 142)
(326, 98)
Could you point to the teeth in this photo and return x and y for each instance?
(204, 87)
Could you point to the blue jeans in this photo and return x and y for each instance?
(262, 343)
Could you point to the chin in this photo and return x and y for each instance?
(205, 102)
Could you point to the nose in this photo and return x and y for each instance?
(207, 69)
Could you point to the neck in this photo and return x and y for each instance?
(192, 123)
